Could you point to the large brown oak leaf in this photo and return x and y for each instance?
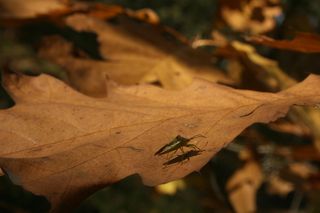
(64, 145)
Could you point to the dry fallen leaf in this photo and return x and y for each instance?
(302, 170)
(269, 73)
(278, 186)
(290, 128)
(217, 40)
(134, 52)
(65, 145)
(306, 153)
(15, 13)
(20, 9)
(86, 75)
(145, 14)
(243, 185)
(255, 16)
(302, 42)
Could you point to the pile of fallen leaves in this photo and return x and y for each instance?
(136, 97)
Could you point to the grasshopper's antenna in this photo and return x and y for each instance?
(197, 136)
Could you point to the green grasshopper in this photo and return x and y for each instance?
(178, 143)
(182, 157)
